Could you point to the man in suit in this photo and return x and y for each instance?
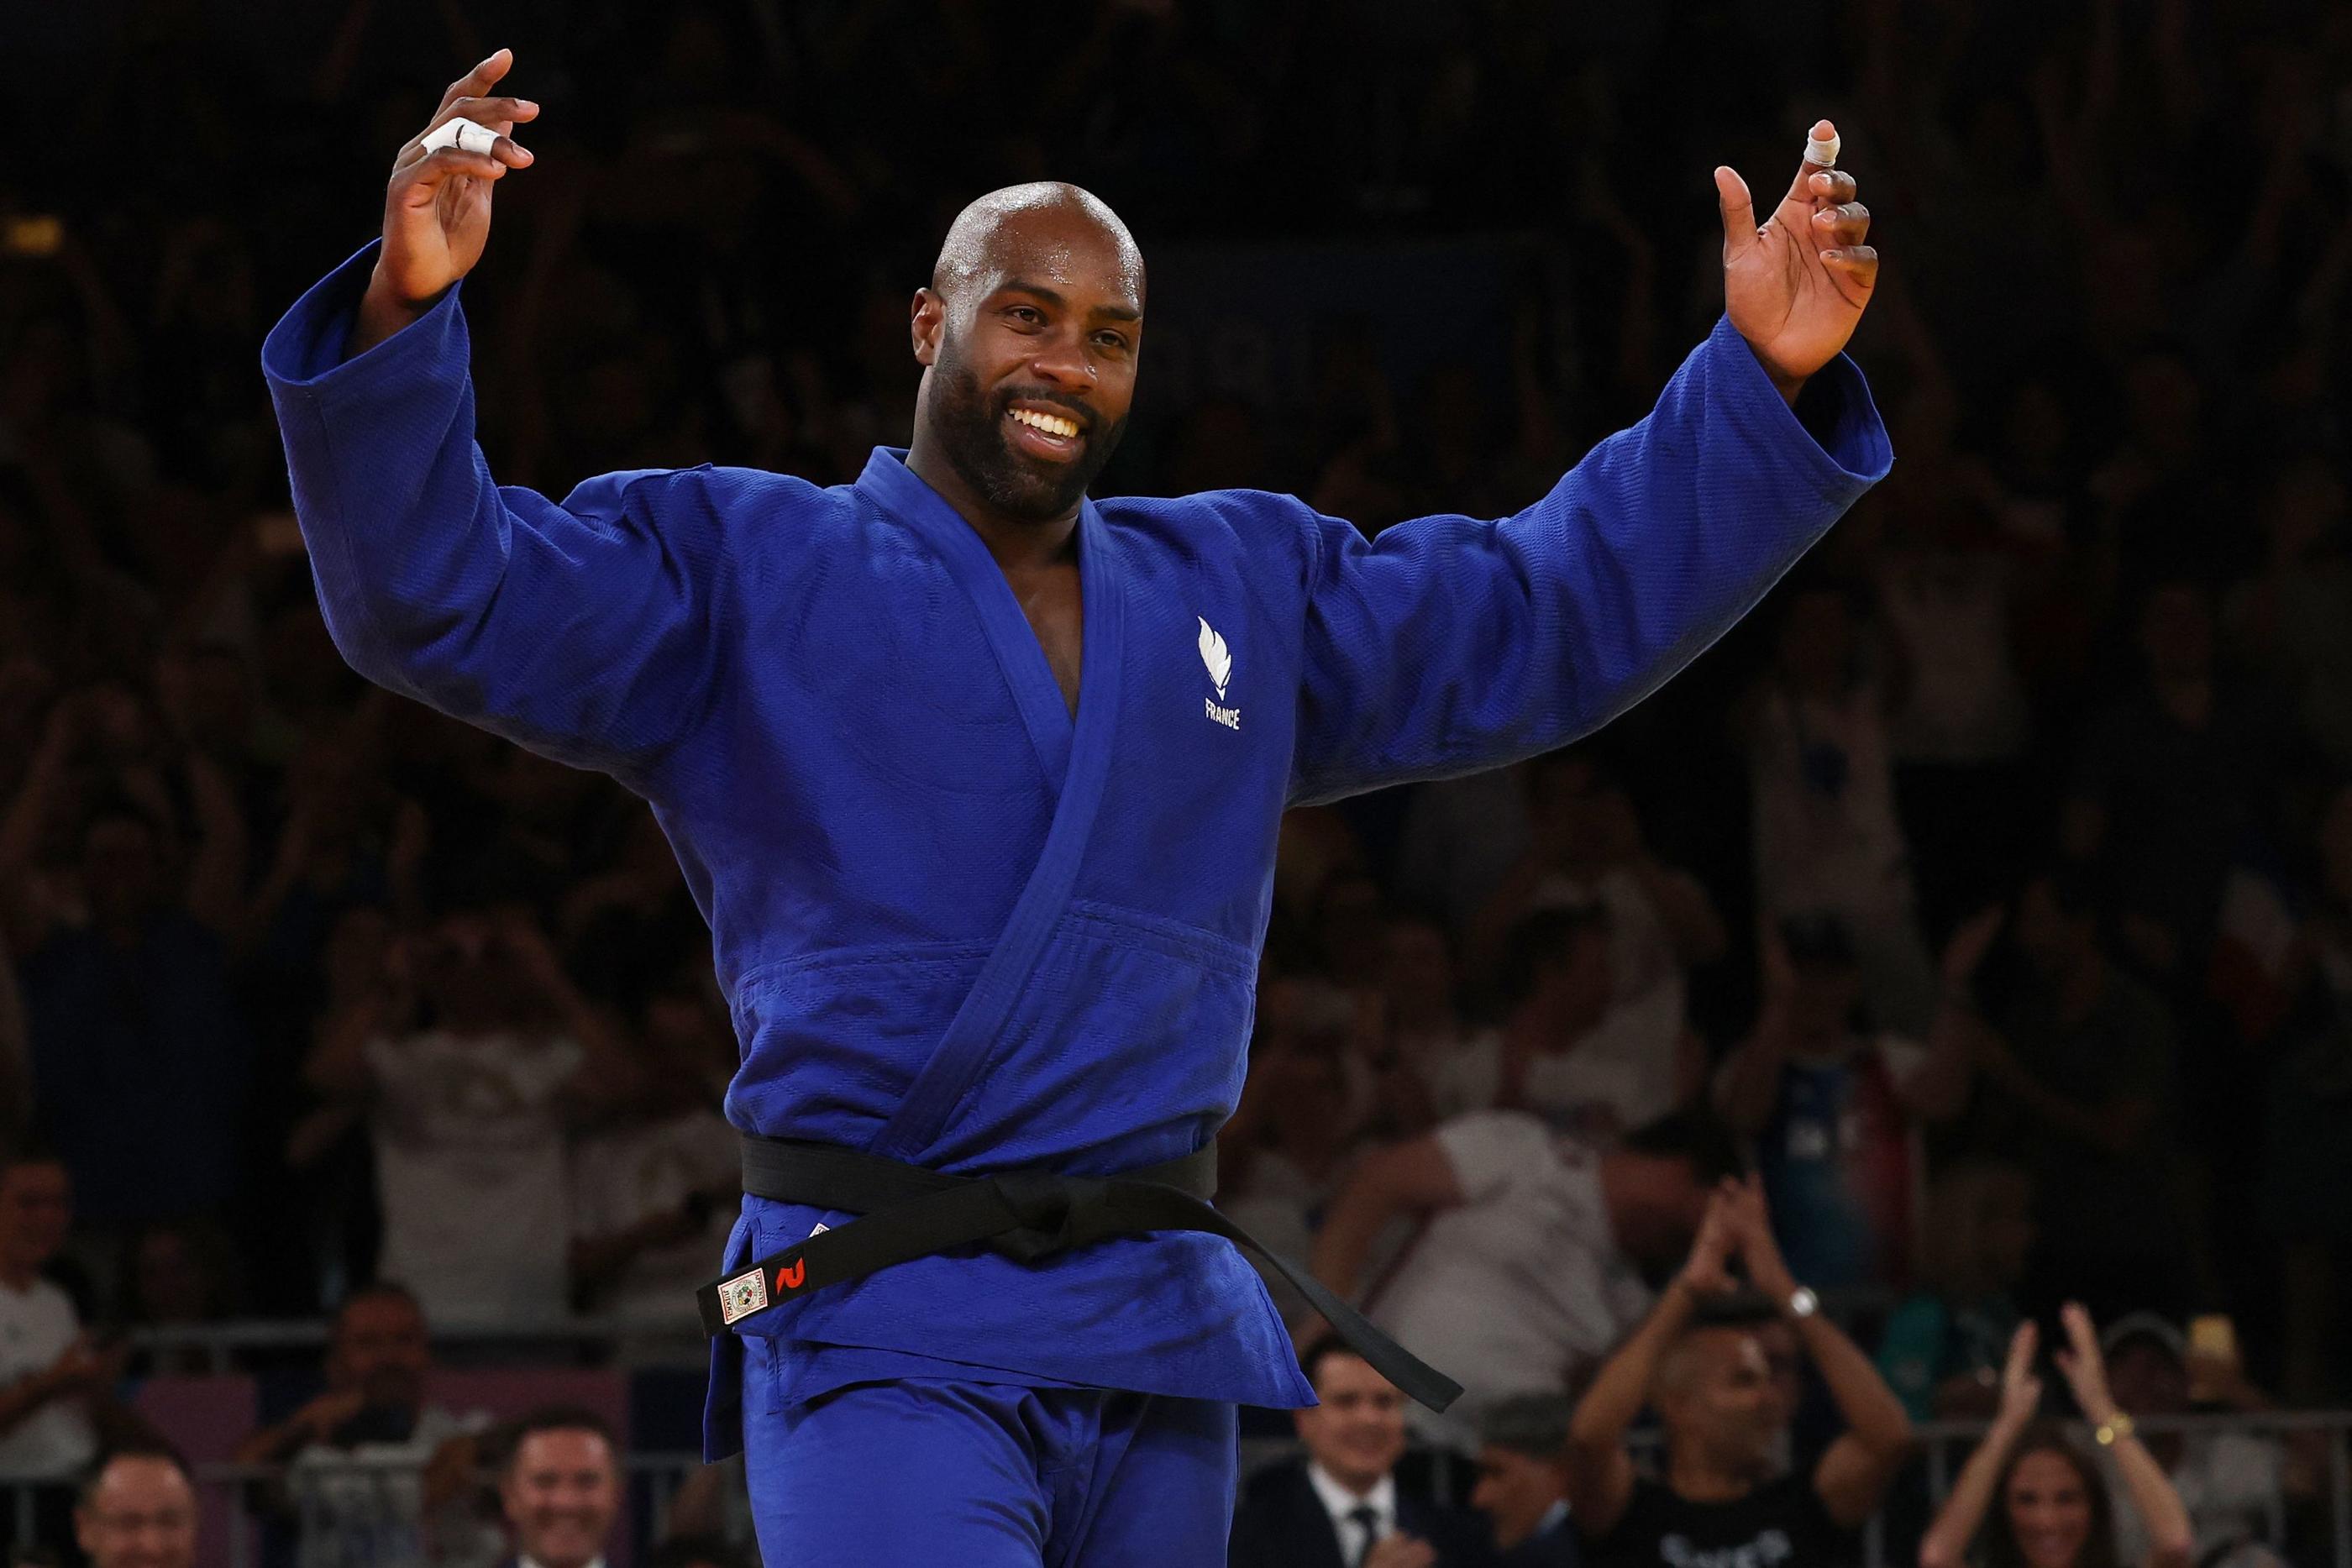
(1523, 1481)
(1338, 1507)
(560, 1488)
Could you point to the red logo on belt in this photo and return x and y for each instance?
(789, 1278)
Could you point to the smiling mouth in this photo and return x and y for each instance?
(1056, 437)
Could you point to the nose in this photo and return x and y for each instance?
(1062, 359)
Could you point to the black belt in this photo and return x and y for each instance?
(1028, 1215)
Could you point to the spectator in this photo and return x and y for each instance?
(1836, 1114)
(1552, 1053)
(1530, 1259)
(351, 1457)
(138, 1510)
(656, 1187)
(561, 1490)
(1942, 1347)
(2233, 1484)
(2170, 776)
(468, 1109)
(1339, 1505)
(140, 1057)
(1827, 837)
(1287, 1148)
(2036, 1499)
(1421, 986)
(1726, 1416)
(55, 1378)
(2080, 1081)
(1523, 1481)
(1590, 852)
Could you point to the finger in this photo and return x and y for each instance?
(1858, 262)
(1829, 186)
(499, 114)
(1800, 189)
(479, 81)
(429, 172)
(1738, 210)
(1845, 223)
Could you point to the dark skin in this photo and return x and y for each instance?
(1047, 309)
(1054, 307)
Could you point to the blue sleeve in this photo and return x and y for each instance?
(1449, 645)
(583, 630)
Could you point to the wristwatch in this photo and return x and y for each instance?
(1803, 1302)
(2113, 1430)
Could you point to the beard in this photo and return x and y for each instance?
(970, 427)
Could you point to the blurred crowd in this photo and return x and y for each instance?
(1988, 891)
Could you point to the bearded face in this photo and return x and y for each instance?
(992, 436)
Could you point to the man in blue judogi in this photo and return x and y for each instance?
(977, 781)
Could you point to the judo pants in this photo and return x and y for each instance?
(988, 1475)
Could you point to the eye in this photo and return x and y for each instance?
(1111, 343)
(1028, 315)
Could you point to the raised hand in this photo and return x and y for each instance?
(1708, 1269)
(2020, 1390)
(1796, 284)
(436, 209)
(1751, 1227)
(2084, 1365)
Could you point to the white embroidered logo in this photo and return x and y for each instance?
(1216, 655)
(1220, 661)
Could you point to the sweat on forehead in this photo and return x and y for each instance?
(1034, 227)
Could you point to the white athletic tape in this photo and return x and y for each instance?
(1822, 151)
(461, 133)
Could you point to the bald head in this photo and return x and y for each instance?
(1033, 228)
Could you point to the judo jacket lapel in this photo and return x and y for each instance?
(1076, 754)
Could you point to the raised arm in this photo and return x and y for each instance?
(1947, 1542)
(1415, 1178)
(2171, 1539)
(1600, 1473)
(1450, 645)
(582, 630)
(1856, 1470)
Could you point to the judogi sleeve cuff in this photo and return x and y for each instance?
(305, 350)
(1852, 451)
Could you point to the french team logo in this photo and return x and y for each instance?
(1220, 661)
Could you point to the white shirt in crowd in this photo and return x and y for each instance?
(56, 1440)
(1620, 1074)
(363, 1506)
(1522, 1283)
(469, 1151)
(2231, 1484)
(1341, 1504)
(623, 1177)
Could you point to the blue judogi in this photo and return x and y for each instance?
(957, 926)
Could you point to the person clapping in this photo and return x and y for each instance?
(2028, 1496)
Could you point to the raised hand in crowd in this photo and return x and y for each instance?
(1984, 1499)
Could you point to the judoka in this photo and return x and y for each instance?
(977, 780)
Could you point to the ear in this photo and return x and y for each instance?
(929, 321)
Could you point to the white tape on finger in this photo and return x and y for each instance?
(1822, 151)
(462, 134)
